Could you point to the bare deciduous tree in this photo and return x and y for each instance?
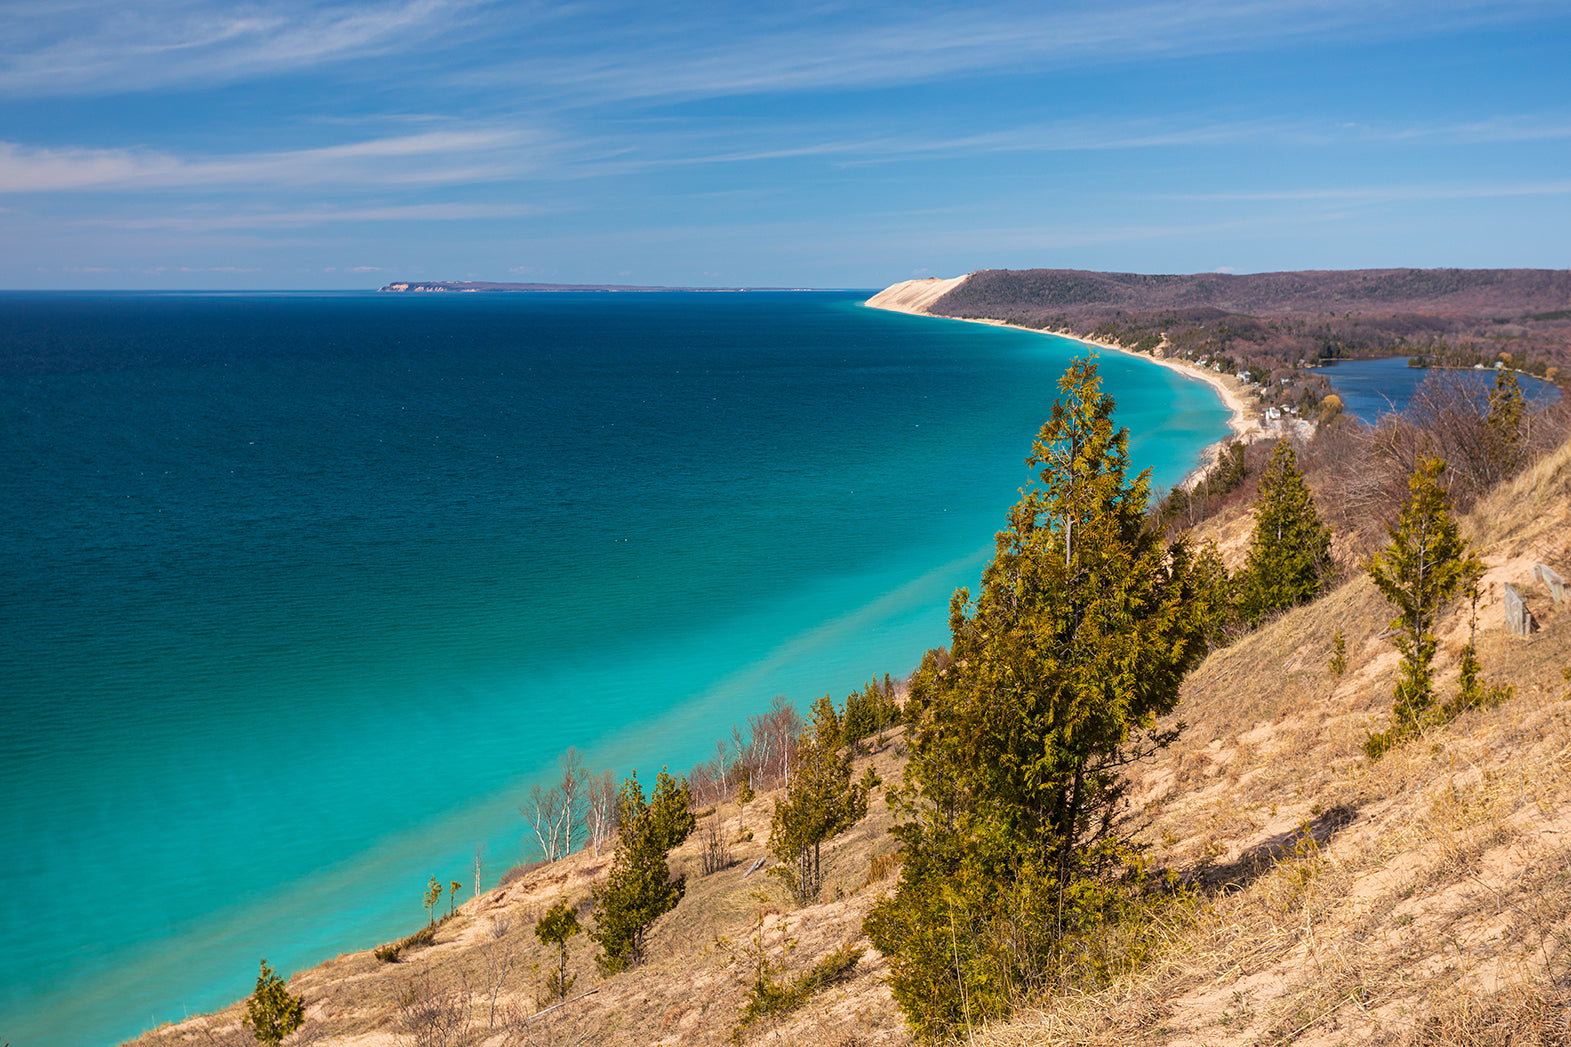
(498, 959)
(600, 810)
(554, 814)
(431, 1014)
(714, 853)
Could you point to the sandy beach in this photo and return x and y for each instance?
(917, 296)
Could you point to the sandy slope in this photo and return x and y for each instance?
(914, 296)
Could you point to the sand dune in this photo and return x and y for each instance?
(914, 296)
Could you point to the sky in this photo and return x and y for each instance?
(279, 144)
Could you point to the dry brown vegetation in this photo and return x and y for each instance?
(1421, 900)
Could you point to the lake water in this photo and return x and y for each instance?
(303, 592)
(1371, 388)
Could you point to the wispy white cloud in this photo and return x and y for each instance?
(196, 223)
(72, 48)
(765, 143)
(1380, 193)
(625, 50)
(888, 44)
(433, 158)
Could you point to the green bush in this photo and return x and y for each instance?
(271, 1013)
(767, 998)
(392, 952)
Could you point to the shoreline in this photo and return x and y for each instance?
(915, 296)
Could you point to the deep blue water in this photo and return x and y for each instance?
(302, 592)
(1371, 388)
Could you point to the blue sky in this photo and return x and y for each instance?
(295, 144)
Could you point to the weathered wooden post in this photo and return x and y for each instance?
(1555, 583)
(1518, 618)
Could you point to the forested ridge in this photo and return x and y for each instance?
(1277, 327)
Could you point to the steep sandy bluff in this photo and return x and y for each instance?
(915, 296)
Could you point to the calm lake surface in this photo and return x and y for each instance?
(303, 592)
(1371, 388)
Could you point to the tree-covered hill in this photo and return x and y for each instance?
(1270, 322)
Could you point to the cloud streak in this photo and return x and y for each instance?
(1380, 194)
(433, 158)
(893, 45)
(93, 48)
(443, 212)
(625, 51)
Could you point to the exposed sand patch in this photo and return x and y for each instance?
(914, 296)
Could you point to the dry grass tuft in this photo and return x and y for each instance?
(1520, 1016)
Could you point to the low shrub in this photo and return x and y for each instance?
(392, 952)
(880, 867)
(767, 998)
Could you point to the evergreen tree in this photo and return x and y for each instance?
(272, 1013)
(820, 803)
(640, 887)
(671, 811)
(824, 724)
(1505, 417)
(744, 796)
(1426, 565)
(1057, 673)
(1290, 552)
(869, 710)
(555, 928)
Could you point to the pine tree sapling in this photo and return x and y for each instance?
(1506, 414)
(433, 895)
(869, 781)
(1473, 690)
(1338, 654)
(1290, 552)
(1425, 566)
(744, 796)
(555, 928)
(271, 1013)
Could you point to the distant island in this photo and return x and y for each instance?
(471, 286)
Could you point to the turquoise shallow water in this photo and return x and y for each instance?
(304, 591)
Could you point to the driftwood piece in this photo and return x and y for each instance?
(1518, 618)
(564, 1003)
(751, 869)
(1556, 584)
